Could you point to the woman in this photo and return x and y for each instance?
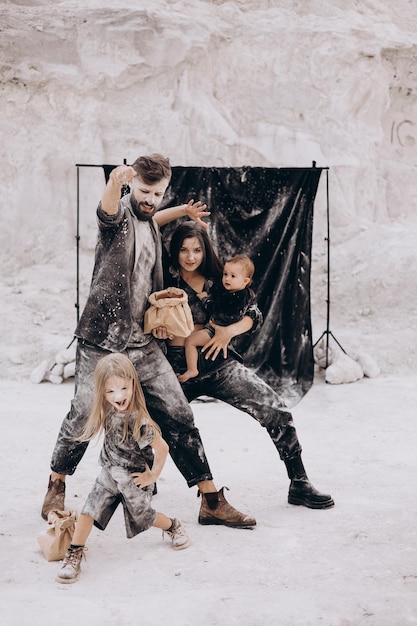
(193, 267)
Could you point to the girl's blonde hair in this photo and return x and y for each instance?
(116, 364)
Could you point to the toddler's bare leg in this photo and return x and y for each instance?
(198, 338)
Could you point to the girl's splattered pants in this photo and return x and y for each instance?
(115, 486)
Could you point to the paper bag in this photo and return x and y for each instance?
(55, 541)
(169, 308)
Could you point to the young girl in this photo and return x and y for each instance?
(227, 303)
(132, 458)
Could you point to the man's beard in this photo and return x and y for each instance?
(143, 216)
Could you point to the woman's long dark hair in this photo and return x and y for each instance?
(210, 268)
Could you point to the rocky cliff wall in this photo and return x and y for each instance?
(217, 83)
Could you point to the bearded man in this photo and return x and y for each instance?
(127, 269)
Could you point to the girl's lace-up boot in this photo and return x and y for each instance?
(178, 535)
(71, 565)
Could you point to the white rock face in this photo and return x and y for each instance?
(207, 83)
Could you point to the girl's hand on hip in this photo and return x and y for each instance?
(144, 479)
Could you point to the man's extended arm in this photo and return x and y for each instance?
(119, 176)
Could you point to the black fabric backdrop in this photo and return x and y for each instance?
(266, 213)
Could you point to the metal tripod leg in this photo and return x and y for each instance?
(328, 333)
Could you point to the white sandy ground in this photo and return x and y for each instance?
(352, 565)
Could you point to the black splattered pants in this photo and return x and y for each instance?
(233, 383)
(165, 401)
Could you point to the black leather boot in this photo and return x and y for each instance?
(301, 491)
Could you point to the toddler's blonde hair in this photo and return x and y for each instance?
(245, 262)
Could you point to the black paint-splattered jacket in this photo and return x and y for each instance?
(107, 317)
(200, 312)
(227, 307)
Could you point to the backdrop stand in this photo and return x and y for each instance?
(327, 332)
(77, 239)
(294, 203)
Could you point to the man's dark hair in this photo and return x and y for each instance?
(152, 168)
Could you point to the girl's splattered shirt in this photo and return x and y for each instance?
(130, 454)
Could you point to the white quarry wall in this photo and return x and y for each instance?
(234, 83)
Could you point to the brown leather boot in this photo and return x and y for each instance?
(55, 497)
(215, 509)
